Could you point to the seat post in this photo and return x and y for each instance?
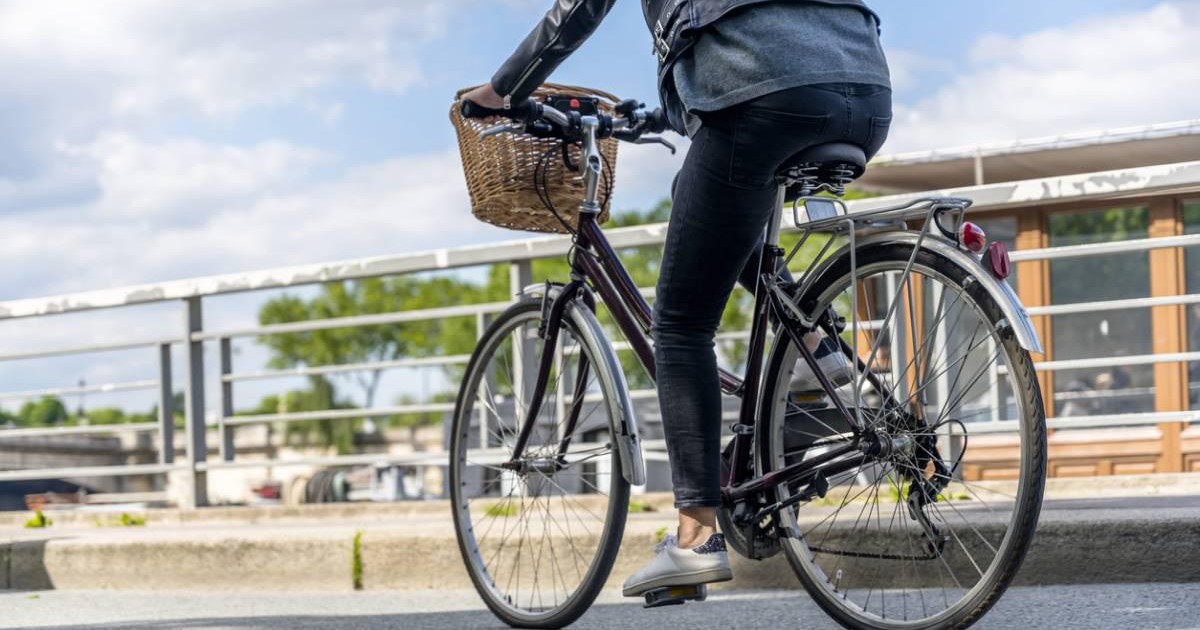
(773, 223)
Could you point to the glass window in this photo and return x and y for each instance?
(1191, 262)
(1108, 334)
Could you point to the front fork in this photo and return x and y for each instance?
(549, 330)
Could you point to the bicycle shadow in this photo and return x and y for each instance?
(1094, 607)
(736, 612)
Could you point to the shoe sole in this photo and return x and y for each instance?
(706, 576)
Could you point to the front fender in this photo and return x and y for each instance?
(624, 428)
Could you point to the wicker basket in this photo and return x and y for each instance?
(500, 171)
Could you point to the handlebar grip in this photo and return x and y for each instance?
(656, 121)
(527, 111)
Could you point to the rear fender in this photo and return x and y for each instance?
(1006, 299)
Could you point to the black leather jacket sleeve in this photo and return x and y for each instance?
(566, 26)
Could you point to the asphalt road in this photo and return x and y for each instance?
(1108, 607)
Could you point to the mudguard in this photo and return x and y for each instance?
(1000, 291)
(629, 444)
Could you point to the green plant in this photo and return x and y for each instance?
(132, 520)
(637, 506)
(356, 562)
(502, 509)
(660, 534)
(38, 520)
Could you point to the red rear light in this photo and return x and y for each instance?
(575, 103)
(998, 260)
(971, 237)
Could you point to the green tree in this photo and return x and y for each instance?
(415, 421)
(364, 344)
(47, 411)
(318, 396)
(370, 343)
(104, 416)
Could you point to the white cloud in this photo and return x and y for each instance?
(182, 208)
(1118, 70)
(162, 182)
(908, 68)
(139, 57)
(645, 173)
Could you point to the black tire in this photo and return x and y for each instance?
(606, 543)
(1026, 505)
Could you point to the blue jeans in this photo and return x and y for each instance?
(723, 197)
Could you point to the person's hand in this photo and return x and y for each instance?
(486, 96)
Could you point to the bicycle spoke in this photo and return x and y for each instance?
(935, 353)
(535, 527)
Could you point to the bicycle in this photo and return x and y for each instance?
(865, 486)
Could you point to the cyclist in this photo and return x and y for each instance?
(752, 82)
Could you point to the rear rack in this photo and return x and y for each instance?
(834, 217)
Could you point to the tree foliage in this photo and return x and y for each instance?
(51, 411)
(442, 336)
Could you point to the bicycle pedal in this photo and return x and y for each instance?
(675, 595)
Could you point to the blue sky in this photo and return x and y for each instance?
(376, 125)
(153, 140)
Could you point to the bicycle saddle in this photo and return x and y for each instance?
(827, 166)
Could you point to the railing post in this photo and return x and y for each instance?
(225, 432)
(166, 407)
(1170, 331)
(197, 435)
(520, 275)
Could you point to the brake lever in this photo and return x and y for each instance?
(655, 140)
(502, 128)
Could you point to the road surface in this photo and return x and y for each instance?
(1107, 607)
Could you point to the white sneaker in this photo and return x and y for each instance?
(832, 362)
(673, 566)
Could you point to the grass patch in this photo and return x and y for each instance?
(660, 534)
(356, 562)
(502, 509)
(637, 507)
(38, 520)
(124, 520)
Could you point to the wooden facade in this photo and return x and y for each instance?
(1136, 449)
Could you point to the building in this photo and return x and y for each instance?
(1102, 227)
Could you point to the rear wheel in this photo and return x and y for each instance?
(912, 536)
(538, 539)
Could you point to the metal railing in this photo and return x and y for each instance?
(193, 336)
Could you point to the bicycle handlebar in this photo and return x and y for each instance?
(633, 124)
(527, 111)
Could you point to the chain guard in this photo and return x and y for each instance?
(750, 540)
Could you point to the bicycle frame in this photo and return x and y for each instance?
(595, 266)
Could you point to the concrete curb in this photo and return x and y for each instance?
(1163, 485)
(1107, 550)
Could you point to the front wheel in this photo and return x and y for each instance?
(928, 528)
(538, 537)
